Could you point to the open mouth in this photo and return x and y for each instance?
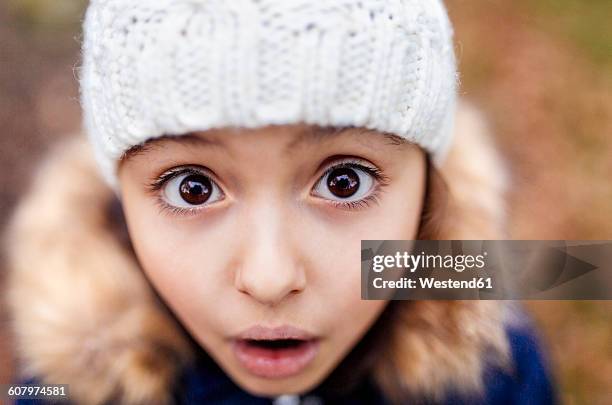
(275, 358)
(275, 345)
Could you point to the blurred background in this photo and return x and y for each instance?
(540, 69)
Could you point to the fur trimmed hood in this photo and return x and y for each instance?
(83, 314)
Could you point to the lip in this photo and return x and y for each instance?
(275, 352)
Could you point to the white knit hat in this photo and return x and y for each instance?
(168, 67)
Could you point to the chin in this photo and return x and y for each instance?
(268, 387)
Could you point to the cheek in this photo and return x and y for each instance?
(335, 248)
(400, 211)
(335, 264)
(179, 263)
(351, 316)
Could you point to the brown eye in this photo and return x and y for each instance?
(346, 182)
(191, 189)
(196, 189)
(343, 182)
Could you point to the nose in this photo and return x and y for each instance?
(270, 268)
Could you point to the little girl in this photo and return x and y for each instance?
(245, 149)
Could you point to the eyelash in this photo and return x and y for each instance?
(373, 198)
(156, 185)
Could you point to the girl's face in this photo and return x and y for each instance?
(252, 237)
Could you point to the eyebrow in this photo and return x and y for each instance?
(315, 133)
(190, 139)
(310, 134)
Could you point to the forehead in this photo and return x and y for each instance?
(288, 138)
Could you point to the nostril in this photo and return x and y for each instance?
(269, 275)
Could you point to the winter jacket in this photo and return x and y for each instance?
(83, 313)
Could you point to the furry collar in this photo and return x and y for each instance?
(83, 314)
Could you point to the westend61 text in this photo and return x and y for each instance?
(481, 283)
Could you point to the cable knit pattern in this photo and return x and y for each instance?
(167, 67)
